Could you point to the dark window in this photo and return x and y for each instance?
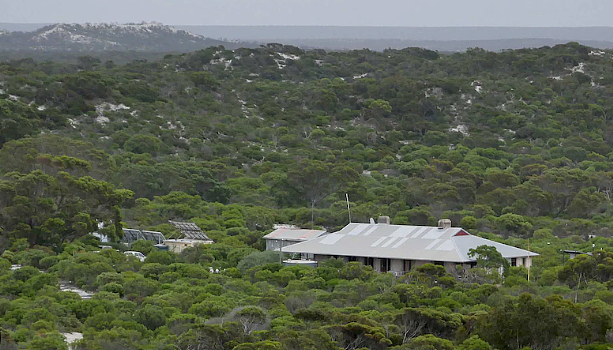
(352, 258)
(473, 264)
(385, 263)
(408, 265)
(370, 262)
(513, 261)
(439, 263)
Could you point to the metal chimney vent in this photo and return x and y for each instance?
(384, 220)
(444, 223)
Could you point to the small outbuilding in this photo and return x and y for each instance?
(190, 235)
(573, 253)
(284, 236)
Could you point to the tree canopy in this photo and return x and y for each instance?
(514, 146)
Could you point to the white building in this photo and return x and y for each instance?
(284, 236)
(190, 236)
(399, 248)
(178, 245)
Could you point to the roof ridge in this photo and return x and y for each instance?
(457, 249)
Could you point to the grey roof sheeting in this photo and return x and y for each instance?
(290, 234)
(402, 242)
(131, 235)
(190, 230)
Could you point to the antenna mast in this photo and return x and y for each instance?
(529, 259)
(348, 207)
(312, 213)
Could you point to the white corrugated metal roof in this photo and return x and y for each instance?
(402, 242)
(291, 234)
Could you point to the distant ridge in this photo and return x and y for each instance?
(265, 33)
(156, 37)
(436, 45)
(139, 37)
(433, 38)
(271, 32)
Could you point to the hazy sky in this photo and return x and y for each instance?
(431, 13)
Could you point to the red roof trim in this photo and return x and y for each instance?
(461, 233)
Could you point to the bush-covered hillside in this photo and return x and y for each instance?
(519, 141)
(514, 145)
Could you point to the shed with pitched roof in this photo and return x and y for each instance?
(284, 236)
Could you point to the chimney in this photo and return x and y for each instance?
(384, 220)
(444, 223)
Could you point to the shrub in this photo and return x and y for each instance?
(113, 288)
(161, 257)
(48, 262)
(151, 317)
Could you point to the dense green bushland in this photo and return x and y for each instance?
(511, 146)
(173, 302)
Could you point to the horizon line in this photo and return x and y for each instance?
(313, 25)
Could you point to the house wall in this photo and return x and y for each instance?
(450, 266)
(305, 256)
(397, 265)
(320, 258)
(377, 264)
(275, 244)
(525, 261)
(418, 263)
(178, 247)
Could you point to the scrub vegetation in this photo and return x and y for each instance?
(513, 146)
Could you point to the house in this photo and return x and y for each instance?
(191, 231)
(191, 236)
(285, 235)
(178, 245)
(573, 254)
(400, 248)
